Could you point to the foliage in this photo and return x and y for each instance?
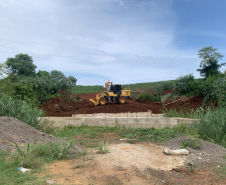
(211, 126)
(61, 151)
(209, 63)
(190, 167)
(181, 113)
(43, 85)
(184, 144)
(160, 88)
(19, 109)
(143, 97)
(183, 84)
(27, 157)
(2, 70)
(194, 142)
(103, 147)
(21, 64)
(7, 87)
(218, 90)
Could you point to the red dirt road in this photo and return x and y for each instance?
(62, 108)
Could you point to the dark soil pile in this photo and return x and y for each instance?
(208, 155)
(61, 108)
(14, 131)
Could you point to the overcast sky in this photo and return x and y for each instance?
(126, 41)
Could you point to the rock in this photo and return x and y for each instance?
(167, 151)
(50, 181)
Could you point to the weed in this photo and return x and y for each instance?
(194, 142)
(184, 144)
(82, 152)
(61, 151)
(103, 147)
(190, 167)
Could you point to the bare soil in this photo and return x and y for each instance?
(60, 107)
(135, 164)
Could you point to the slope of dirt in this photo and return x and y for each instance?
(62, 108)
(14, 131)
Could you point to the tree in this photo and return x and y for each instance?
(2, 70)
(21, 64)
(209, 64)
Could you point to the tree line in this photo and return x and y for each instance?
(19, 79)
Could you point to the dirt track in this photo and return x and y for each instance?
(63, 108)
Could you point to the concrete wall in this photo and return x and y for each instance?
(119, 115)
(136, 122)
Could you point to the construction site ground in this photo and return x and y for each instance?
(142, 163)
(61, 107)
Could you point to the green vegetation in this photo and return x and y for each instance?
(103, 147)
(61, 151)
(210, 61)
(80, 89)
(143, 97)
(212, 125)
(20, 65)
(33, 157)
(19, 109)
(148, 85)
(140, 134)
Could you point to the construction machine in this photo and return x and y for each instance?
(115, 93)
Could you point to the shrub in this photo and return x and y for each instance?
(182, 86)
(146, 96)
(160, 88)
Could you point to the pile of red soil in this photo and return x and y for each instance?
(60, 107)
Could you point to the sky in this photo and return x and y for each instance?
(125, 41)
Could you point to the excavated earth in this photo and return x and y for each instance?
(60, 107)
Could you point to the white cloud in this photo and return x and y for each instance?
(126, 41)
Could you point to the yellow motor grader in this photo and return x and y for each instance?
(115, 93)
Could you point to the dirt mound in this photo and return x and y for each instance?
(61, 108)
(208, 155)
(14, 131)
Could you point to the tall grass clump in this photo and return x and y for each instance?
(143, 97)
(181, 113)
(19, 109)
(211, 126)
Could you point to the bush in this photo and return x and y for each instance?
(183, 86)
(19, 109)
(143, 97)
(219, 91)
(160, 88)
(7, 87)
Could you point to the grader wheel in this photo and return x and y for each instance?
(102, 101)
(122, 100)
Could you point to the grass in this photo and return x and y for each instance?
(212, 126)
(19, 109)
(10, 175)
(181, 113)
(80, 89)
(33, 157)
(103, 147)
(140, 134)
(146, 86)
